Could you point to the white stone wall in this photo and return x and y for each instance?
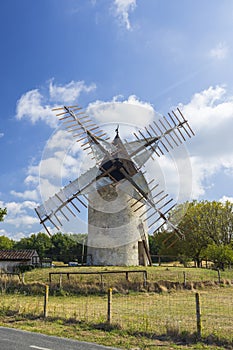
(113, 233)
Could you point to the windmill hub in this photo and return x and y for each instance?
(119, 160)
(117, 164)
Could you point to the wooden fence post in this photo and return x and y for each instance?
(109, 306)
(127, 275)
(198, 315)
(46, 299)
(219, 276)
(185, 282)
(60, 281)
(145, 278)
(101, 281)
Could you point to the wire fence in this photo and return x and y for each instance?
(164, 301)
(171, 313)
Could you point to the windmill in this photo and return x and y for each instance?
(122, 205)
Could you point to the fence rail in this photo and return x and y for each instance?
(99, 273)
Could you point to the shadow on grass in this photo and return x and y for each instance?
(178, 338)
(182, 338)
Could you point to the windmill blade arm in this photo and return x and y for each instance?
(90, 135)
(138, 146)
(164, 134)
(129, 188)
(68, 199)
(157, 210)
(135, 185)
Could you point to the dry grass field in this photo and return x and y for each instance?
(154, 273)
(141, 318)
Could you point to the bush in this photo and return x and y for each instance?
(24, 268)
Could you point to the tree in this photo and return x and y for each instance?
(40, 242)
(221, 255)
(24, 243)
(6, 243)
(202, 223)
(153, 245)
(62, 245)
(3, 212)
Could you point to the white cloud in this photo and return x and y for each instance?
(210, 113)
(30, 179)
(209, 108)
(60, 156)
(47, 188)
(219, 52)
(25, 220)
(30, 106)
(32, 184)
(35, 106)
(15, 236)
(20, 214)
(1, 134)
(60, 163)
(122, 9)
(59, 160)
(225, 199)
(33, 194)
(70, 92)
(132, 112)
(59, 140)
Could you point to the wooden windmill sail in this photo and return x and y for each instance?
(117, 173)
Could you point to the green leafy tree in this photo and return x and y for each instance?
(40, 242)
(3, 212)
(24, 243)
(79, 248)
(62, 247)
(154, 247)
(202, 223)
(68, 247)
(6, 243)
(221, 255)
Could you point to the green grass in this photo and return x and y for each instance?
(147, 317)
(154, 274)
(116, 338)
(144, 320)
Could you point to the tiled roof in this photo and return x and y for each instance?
(25, 254)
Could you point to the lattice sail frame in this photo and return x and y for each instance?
(156, 138)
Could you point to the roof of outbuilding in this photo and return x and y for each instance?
(25, 254)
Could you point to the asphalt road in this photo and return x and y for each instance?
(15, 339)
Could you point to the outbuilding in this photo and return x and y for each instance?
(11, 259)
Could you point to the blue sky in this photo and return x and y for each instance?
(154, 54)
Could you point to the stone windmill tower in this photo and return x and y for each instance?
(121, 204)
